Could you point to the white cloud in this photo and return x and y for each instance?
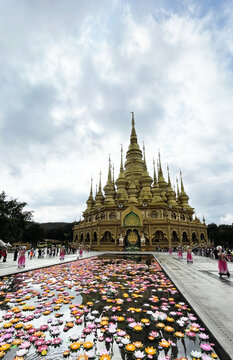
(70, 76)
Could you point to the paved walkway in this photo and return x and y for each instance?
(211, 297)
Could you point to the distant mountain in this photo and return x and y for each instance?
(54, 225)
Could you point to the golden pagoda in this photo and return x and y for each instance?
(136, 212)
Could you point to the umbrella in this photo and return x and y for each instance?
(2, 243)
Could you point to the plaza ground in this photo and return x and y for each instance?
(210, 296)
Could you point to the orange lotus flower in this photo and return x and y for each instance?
(104, 322)
(39, 333)
(31, 307)
(66, 353)
(46, 312)
(138, 328)
(145, 321)
(120, 318)
(170, 319)
(28, 326)
(169, 328)
(56, 307)
(7, 325)
(2, 353)
(15, 320)
(70, 324)
(150, 350)
(194, 328)
(164, 343)
(5, 347)
(130, 347)
(17, 342)
(214, 356)
(88, 345)
(179, 334)
(18, 326)
(138, 310)
(18, 358)
(105, 357)
(138, 344)
(160, 325)
(75, 345)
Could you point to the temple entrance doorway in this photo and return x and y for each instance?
(132, 240)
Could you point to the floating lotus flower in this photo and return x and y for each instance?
(164, 343)
(179, 334)
(138, 344)
(104, 355)
(191, 334)
(169, 329)
(5, 347)
(66, 353)
(206, 347)
(150, 350)
(138, 354)
(75, 346)
(130, 348)
(88, 345)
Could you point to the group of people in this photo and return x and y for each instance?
(221, 256)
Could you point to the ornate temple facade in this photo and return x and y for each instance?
(136, 212)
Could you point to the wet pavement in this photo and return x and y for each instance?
(210, 296)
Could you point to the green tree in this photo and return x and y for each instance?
(13, 218)
(33, 234)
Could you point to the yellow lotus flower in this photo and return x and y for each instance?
(169, 328)
(164, 343)
(150, 350)
(160, 325)
(88, 345)
(75, 345)
(138, 328)
(130, 347)
(179, 334)
(138, 344)
(105, 357)
(4, 347)
(7, 325)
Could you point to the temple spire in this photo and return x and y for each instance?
(109, 169)
(133, 137)
(181, 182)
(168, 174)
(91, 192)
(155, 179)
(121, 168)
(100, 188)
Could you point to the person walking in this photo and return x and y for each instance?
(15, 254)
(189, 255)
(222, 263)
(180, 253)
(62, 253)
(21, 258)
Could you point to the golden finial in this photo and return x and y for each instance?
(155, 179)
(109, 169)
(133, 122)
(169, 180)
(113, 173)
(100, 189)
(181, 182)
(177, 187)
(91, 187)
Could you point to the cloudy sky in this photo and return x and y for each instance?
(72, 71)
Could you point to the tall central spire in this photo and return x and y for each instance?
(133, 137)
(134, 163)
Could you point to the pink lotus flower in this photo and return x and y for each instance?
(203, 336)
(25, 345)
(42, 348)
(56, 341)
(206, 347)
